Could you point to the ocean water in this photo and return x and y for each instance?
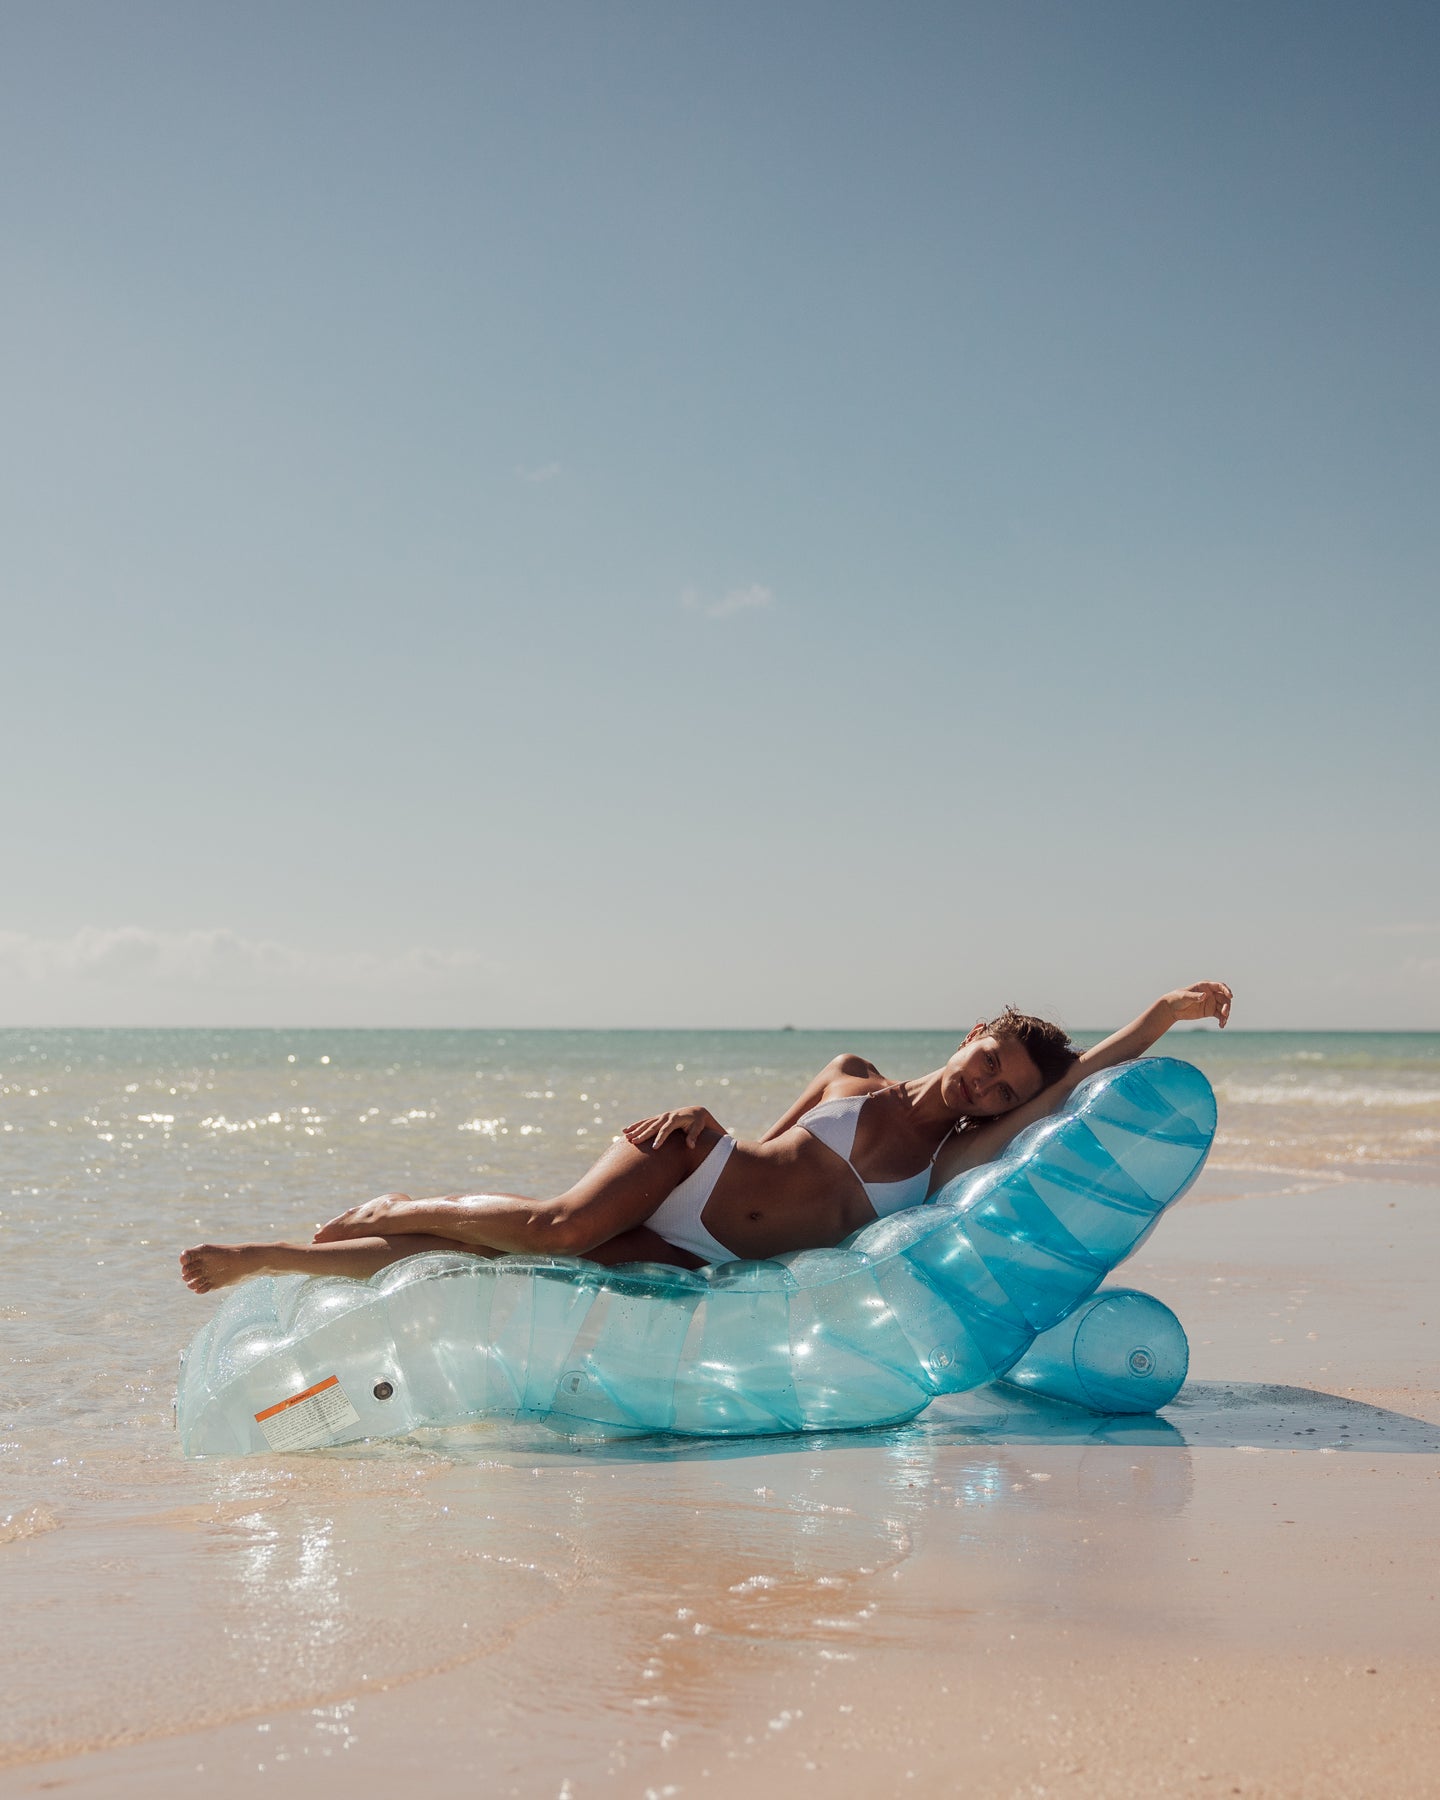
(1321, 1105)
(173, 1594)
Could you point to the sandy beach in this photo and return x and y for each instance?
(1004, 1599)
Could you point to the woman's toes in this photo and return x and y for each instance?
(209, 1266)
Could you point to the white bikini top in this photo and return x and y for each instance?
(834, 1122)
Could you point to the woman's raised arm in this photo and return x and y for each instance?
(970, 1149)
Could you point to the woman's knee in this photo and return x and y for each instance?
(618, 1194)
(578, 1222)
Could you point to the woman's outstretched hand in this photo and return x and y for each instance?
(693, 1121)
(1205, 1000)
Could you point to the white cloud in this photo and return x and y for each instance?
(218, 959)
(1409, 929)
(545, 472)
(744, 599)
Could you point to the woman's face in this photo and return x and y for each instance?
(988, 1075)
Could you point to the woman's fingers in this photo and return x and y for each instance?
(1215, 997)
(649, 1131)
(690, 1121)
(1208, 1000)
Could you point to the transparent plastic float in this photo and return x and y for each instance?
(934, 1300)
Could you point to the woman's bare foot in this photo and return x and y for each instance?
(210, 1266)
(365, 1220)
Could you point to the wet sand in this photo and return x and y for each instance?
(1005, 1599)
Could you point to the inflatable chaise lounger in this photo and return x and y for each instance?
(934, 1300)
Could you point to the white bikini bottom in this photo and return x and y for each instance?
(677, 1218)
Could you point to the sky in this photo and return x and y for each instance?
(703, 514)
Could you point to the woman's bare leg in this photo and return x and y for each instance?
(616, 1196)
(642, 1245)
(210, 1266)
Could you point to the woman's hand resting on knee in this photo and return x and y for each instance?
(693, 1121)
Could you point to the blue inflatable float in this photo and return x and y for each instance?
(930, 1301)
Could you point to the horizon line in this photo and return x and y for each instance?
(1185, 1029)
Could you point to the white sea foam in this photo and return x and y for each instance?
(30, 1521)
(1286, 1093)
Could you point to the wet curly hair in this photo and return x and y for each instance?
(1045, 1044)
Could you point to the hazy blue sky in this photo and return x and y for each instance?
(718, 513)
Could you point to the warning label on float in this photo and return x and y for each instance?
(307, 1419)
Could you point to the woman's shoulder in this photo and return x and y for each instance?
(851, 1077)
(850, 1067)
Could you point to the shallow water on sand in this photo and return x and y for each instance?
(144, 1595)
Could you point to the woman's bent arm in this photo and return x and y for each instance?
(1206, 1000)
(970, 1149)
(692, 1121)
